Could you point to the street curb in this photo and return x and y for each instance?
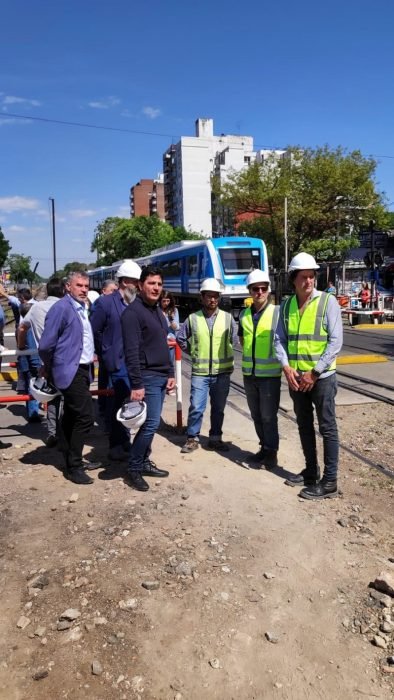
(8, 376)
(360, 359)
(373, 326)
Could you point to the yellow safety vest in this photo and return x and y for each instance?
(258, 356)
(306, 337)
(211, 350)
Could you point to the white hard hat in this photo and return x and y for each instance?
(129, 268)
(132, 414)
(92, 296)
(42, 390)
(257, 276)
(303, 261)
(211, 285)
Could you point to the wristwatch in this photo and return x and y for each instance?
(315, 373)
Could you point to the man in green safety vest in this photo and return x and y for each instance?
(308, 339)
(261, 370)
(209, 336)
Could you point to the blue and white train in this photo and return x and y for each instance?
(187, 263)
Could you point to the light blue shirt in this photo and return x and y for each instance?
(88, 342)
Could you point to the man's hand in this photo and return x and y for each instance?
(308, 381)
(171, 384)
(137, 395)
(292, 377)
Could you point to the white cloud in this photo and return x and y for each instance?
(12, 100)
(82, 213)
(10, 204)
(16, 229)
(11, 120)
(105, 103)
(151, 112)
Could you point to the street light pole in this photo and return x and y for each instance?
(286, 237)
(51, 199)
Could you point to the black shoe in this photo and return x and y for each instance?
(51, 441)
(302, 479)
(5, 445)
(324, 489)
(35, 418)
(270, 460)
(78, 476)
(149, 468)
(135, 480)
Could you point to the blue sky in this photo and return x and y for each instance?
(285, 73)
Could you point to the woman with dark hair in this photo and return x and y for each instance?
(167, 305)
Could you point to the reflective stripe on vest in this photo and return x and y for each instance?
(258, 356)
(211, 350)
(306, 337)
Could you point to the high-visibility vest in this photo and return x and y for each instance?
(211, 350)
(258, 357)
(306, 337)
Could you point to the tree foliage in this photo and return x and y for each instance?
(117, 238)
(331, 195)
(20, 268)
(70, 267)
(4, 248)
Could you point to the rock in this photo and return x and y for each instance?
(129, 604)
(63, 625)
(278, 685)
(81, 581)
(385, 583)
(73, 498)
(151, 585)
(346, 623)
(39, 581)
(70, 614)
(268, 576)
(385, 600)
(378, 641)
(343, 522)
(214, 663)
(40, 673)
(270, 637)
(40, 631)
(137, 684)
(125, 533)
(97, 668)
(73, 635)
(100, 621)
(23, 622)
(184, 568)
(387, 627)
(185, 496)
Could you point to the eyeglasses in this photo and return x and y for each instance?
(259, 289)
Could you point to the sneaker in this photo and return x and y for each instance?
(190, 445)
(218, 445)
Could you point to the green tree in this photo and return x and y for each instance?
(20, 268)
(117, 238)
(331, 194)
(4, 248)
(70, 267)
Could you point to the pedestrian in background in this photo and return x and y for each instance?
(209, 336)
(307, 341)
(28, 367)
(149, 368)
(261, 370)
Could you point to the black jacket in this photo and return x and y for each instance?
(144, 330)
(107, 331)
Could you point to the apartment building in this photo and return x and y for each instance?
(147, 198)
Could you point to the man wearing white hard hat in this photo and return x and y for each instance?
(308, 339)
(209, 335)
(108, 342)
(260, 367)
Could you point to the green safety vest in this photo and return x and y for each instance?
(211, 350)
(258, 356)
(306, 337)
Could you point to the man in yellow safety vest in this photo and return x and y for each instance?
(308, 339)
(261, 370)
(209, 335)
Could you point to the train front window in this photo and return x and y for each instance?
(239, 261)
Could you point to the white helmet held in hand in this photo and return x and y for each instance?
(132, 415)
(257, 276)
(93, 295)
(211, 285)
(303, 261)
(42, 390)
(129, 268)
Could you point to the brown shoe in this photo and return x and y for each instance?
(190, 445)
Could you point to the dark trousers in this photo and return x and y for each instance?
(77, 418)
(263, 396)
(322, 397)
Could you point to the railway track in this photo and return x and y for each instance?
(362, 383)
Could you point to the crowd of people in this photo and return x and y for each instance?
(128, 328)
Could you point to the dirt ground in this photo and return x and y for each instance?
(218, 583)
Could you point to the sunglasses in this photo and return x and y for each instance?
(259, 289)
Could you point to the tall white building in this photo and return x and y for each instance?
(188, 168)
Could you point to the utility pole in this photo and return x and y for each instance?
(52, 201)
(372, 230)
(285, 231)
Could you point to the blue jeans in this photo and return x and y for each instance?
(119, 381)
(263, 395)
(322, 397)
(217, 386)
(155, 391)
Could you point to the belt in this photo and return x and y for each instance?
(85, 366)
